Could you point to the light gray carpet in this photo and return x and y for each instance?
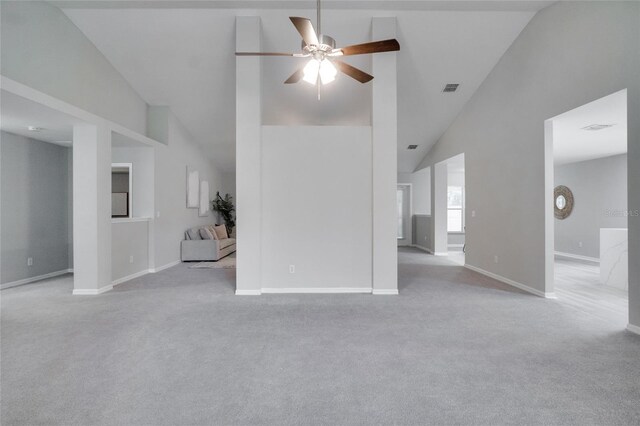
(178, 347)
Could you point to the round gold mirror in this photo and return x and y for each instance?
(562, 202)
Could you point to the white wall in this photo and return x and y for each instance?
(421, 190)
(170, 167)
(316, 207)
(35, 202)
(43, 49)
(228, 185)
(550, 68)
(129, 249)
(599, 188)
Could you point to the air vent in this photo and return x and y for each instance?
(597, 126)
(450, 87)
(412, 146)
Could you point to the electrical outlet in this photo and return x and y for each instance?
(473, 213)
(130, 259)
(495, 259)
(292, 269)
(29, 261)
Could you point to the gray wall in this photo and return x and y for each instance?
(550, 68)
(42, 48)
(35, 202)
(422, 231)
(598, 186)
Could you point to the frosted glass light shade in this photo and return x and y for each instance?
(327, 71)
(311, 71)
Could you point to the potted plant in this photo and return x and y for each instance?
(225, 207)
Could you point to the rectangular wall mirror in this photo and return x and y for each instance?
(121, 189)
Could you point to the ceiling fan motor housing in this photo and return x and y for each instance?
(326, 45)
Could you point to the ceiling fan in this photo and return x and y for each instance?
(324, 64)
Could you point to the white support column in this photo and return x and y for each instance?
(384, 122)
(91, 209)
(248, 156)
(439, 208)
(549, 218)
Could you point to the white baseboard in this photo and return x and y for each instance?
(633, 328)
(317, 290)
(130, 277)
(455, 245)
(34, 279)
(91, 291)
(248, 293)
(422, 248)
(163, 267)
(547, 295)
(385, 291)
(577, 257)
(441, 253)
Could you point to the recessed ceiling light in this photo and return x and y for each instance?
(412, 146)
(597, 126)
(450, 87)
(35, 129)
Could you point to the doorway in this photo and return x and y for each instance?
(449, 207)
(586, 208)
(405, 228)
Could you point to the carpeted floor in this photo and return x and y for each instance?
(179, 348)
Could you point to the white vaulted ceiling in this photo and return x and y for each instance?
(181, 54)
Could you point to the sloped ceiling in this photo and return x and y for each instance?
(181, 54)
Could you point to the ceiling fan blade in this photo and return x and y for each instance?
(390, 45)
(353, 72)
(305, 28)
(296, 76)
(264, 54)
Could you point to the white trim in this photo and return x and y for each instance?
(633, 328)
(385, 291)
(419, 247)
(317, 290)
(248, 293)
(162, 268)
(34, 279)
(91, 291)
(548, 295)
(129, 166)
(456, 245)
(441, 253)
(577, 257)
(129, 277)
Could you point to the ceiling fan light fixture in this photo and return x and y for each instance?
(327, 71)
(311, 71)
